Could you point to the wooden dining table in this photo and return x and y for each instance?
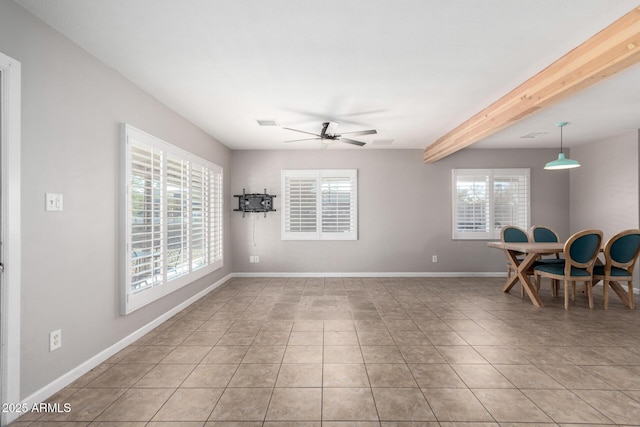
(532, 251)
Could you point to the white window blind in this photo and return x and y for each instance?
(172, 216)
(485, 200)
(319, 204)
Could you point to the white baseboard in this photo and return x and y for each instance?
(378, 274)
(68, 378)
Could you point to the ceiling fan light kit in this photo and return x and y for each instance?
(562, 162)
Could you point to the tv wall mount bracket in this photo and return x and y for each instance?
(255, 202)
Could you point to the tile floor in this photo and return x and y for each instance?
(369, 352)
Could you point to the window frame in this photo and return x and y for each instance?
(492, 233)
(135, 139)
(319, 176)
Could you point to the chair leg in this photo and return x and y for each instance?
(566, 295)
(605, 293)
(573, 291)
(630, 292)
(589, 287)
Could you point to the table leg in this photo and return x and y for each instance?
(521, 274)
(622, 294)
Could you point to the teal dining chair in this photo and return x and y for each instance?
(543, 234)
(511, 234)
(620, 255)
(580, 253)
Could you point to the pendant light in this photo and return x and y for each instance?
(562, 162)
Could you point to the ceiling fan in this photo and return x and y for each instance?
(328, 134)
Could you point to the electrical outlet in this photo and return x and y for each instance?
(55, 340)
(256, 258)
(434, 258)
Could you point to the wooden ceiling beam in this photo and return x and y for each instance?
(608, 52)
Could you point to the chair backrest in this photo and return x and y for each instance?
(511, 233)
(581, 250)
(543, 234)
(622, 250)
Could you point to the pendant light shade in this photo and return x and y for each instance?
(562, 162)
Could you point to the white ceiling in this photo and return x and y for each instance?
(412, 69)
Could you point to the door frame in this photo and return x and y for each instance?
(10, 97)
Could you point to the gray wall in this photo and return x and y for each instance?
(72, 106)
(404, 211)
(605, 189)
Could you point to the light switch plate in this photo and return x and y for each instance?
(53, 202)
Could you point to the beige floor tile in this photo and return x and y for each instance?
(340, 338)
(402, 404)
(339, 325)
(300, 375)
(481, 376)
(390, 375)
(303, 354)
(615, 405)
(211, 375)
(382, 354)
(510, 405)
(148, 354)
(563, 406)
(421, 354)
(375, 337)
(242, 404)
(139, 404)
(121, 375)
(206, 338)
(264, 354)
(255, 375)
(226, 354)
(445, 338)
(187, 354)
(85, 406)
(297, 404)
(165, 376)
(272, 338)
(305, 337)
(343, 354)
(345, 375)
(575, 377)
(348, 404)
(189, 404)
(455, 404)
(436, 375)
(528, 376)
(460, 354)
(263, 348)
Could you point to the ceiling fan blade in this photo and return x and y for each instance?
(305, 139)
(303, 131)
(361, 132)
(352, 141)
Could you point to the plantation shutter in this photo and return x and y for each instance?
(146, 194)
(173, 215)
(215, 216)
(485, 200)
(177, 217)
(319, 205)
(510, 199)
(199, 216)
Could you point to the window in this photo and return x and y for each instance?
(173, 217)
(485, 200)
(320, 204)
